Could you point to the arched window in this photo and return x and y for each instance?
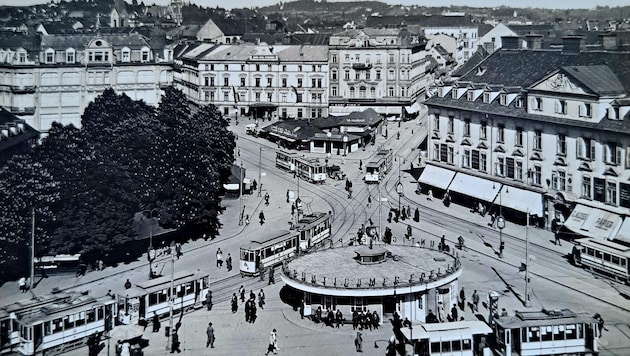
(362, 91)
(352, 92)
(372, 92)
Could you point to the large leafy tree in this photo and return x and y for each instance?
(87, 184)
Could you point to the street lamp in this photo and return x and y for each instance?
(345, 143)
(151, 250)
(169, 340)
(501, 223)
(399, 190)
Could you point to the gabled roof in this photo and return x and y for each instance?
(421, 20)
(81, 41)
(26, 135)
(599, 78)
(12, 40)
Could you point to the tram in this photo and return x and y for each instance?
(310, 169)
(463, 338)
(285, 160)
(376, 169)
(609, 258)
(270, 250)
(137, 304)
(49, 265)
(546, 332)
(55, 323)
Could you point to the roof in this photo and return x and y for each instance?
(472, 62)
(27, 134)
(421, 20)
(542, 318)
(14, 40)
(243, 52)
(599, 78)
(301, 129)
(81, 41)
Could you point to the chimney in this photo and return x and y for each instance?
(572, 44)
(510, 42)
(534, 41)
(609, 40)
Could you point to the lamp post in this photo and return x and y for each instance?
(169, 340)
(345, 143)
(151, 250)
(260, 170)
(399, 190)
(500, 223)
(527, 303)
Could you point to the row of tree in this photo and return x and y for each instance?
(86, 185)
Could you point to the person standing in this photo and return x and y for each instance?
(22, 284)
(475, 299)
(339, 318)
(272, 278)
(219, 258)
(248, 311)
(261, 299)
(358, 342)
(241, 291)
(128, 284)
(209, 300)
(228, 262)
(441, 312)
(355, 319)
(462, 298)
(210, 333)
(273, 342)
(261, 216)
(454, 313)
(234, 303)
(156, 322)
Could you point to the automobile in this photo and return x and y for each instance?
(250, 129)
(335, 172)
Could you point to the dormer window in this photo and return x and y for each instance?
(125, 55)
(561, 107)
(519, 102)
(537, 104)
(503, 99)
(144, 54)
(50, 56)
(70, 55)
(486, 98)
(586, 110)
(470, 95)
(22, 57)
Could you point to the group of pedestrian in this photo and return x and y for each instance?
(365, 320)
(250, 309)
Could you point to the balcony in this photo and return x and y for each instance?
(21, 89)
(361, 66)
(22, 110)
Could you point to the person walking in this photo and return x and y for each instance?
(358, 342)
(175, 343)
(178, 250)
(475, 299)
(156, 322)
(248, 310)
(209, 300)
(261, 299)
(360, 164)
(22, 284)
(261, 216)
(234, 303)
(273, 342)
(339, 318)
(454, 313)
(266, 199)
(369, 201)
(462, 298)
(272, 278)
(219, 258)
(210, 333)
(241, 291)
(228, 262)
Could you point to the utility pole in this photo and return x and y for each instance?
(30, 287)
(169, 340)
(240, 195)
(527, 303)
(380, 229)
(260, 170)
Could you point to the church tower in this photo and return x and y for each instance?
(176, 10)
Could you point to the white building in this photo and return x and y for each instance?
(53, 78)
(537, 131)
(258, 79)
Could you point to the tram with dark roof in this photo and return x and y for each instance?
(307, 168)
(608, 258)
(462, 338)
(270, 250)
(546, 332)
(285, 160)
(377, 168)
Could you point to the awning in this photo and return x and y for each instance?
(522, 200)
(436, 176)
(475, 187)
(413, 108)
(233, 186)
(624, 231)
(282, 137)
(593, 222)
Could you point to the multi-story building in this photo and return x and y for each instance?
(256, 79)
(384, 69)
(53, 78)
(543, 132)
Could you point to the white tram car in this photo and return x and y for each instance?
(546, 332)
(609, 258)
(138, 303)
(461, 338)
(310, 169)
(376, 169)
(55, 323)
(285, 160)
(270, 250)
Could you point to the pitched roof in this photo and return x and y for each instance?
(421, 20)
(81, 41)
(599, 78)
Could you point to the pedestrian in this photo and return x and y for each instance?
(441, 312)
(252, 295)
(272, 278)
(557, 236)
(252, 311)
(228, 262)
(219, 258)
(442, 245)
(416, 215)
(210, 333)
(369, 201)
(355, 319)
(261, 216)
(339, 318)
(241, 291)
(178, 250)
(475, 299)
(273, 342)
(330, 318)
(600, 323)
(156, 322)
(174, 343)
(234, 303)
(462, 298)
(454, 313)
(430, 195)
(209, 300)
(493, 217)
(287, 196)
(376, 320)
(261, 299)
(246, 219)
(128, 284)
(360, 164)
(248, 310)
(358, 342)
(267, 199)
(302, 309)
(22, 284)
(368, 320)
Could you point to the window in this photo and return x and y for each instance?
(561, 107)
(586, 110)
(70, 56)
(333, 91)
(269, 97)
(483, 131)
(470, 95)
(226, 81)
(50, 56)
(451, 154)
(242, 67)
(537, 140)
(558, 180)
(451, 125)
(467, 128)
(561, 144)
(390, 74)
(466, 158)
(611, 192)
(391, 58)
(145, 55)
(257, 82)
(126, 55)
(373, 95)
(367, 75)
(243, 82)
(269, 81)
(537, 175)
(390, 91)
(500, 134)
(503, 99)
(333, 58)
(352, 92)
(299, 68)
(499, 169)
(483, 162)
(346, 75)
(378, 74)
(300, 114)
(586, 187)
(211, 81)
(357, 75)
(486, 97)
(537, 104)
(22, 57)
(436, 151)
(257, 97)
(612, 154)
(226, 67)
(333, 74)
(519, 102)
(436, 122)
(299, 82)
(518, 139)
(362, 92)
(257, 67)
(298, 98)
(226, 96)
(585, 148)
(284, 82)
(518, 170)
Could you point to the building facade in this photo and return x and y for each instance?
(53, 78)
(256, 79)
(538, 132)
(384, 69)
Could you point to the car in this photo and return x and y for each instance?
(335, 172)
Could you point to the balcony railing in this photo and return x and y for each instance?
(361, 66)
(21, 89)
(22, 110)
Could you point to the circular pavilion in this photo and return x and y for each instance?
(386, 278)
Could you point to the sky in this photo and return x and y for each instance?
(557, 4)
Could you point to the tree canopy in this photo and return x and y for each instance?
(86, 185)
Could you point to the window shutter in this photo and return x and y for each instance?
(579, 148)
(592, 150)
(618, 154)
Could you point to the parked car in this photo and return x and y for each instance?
(335, 172)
